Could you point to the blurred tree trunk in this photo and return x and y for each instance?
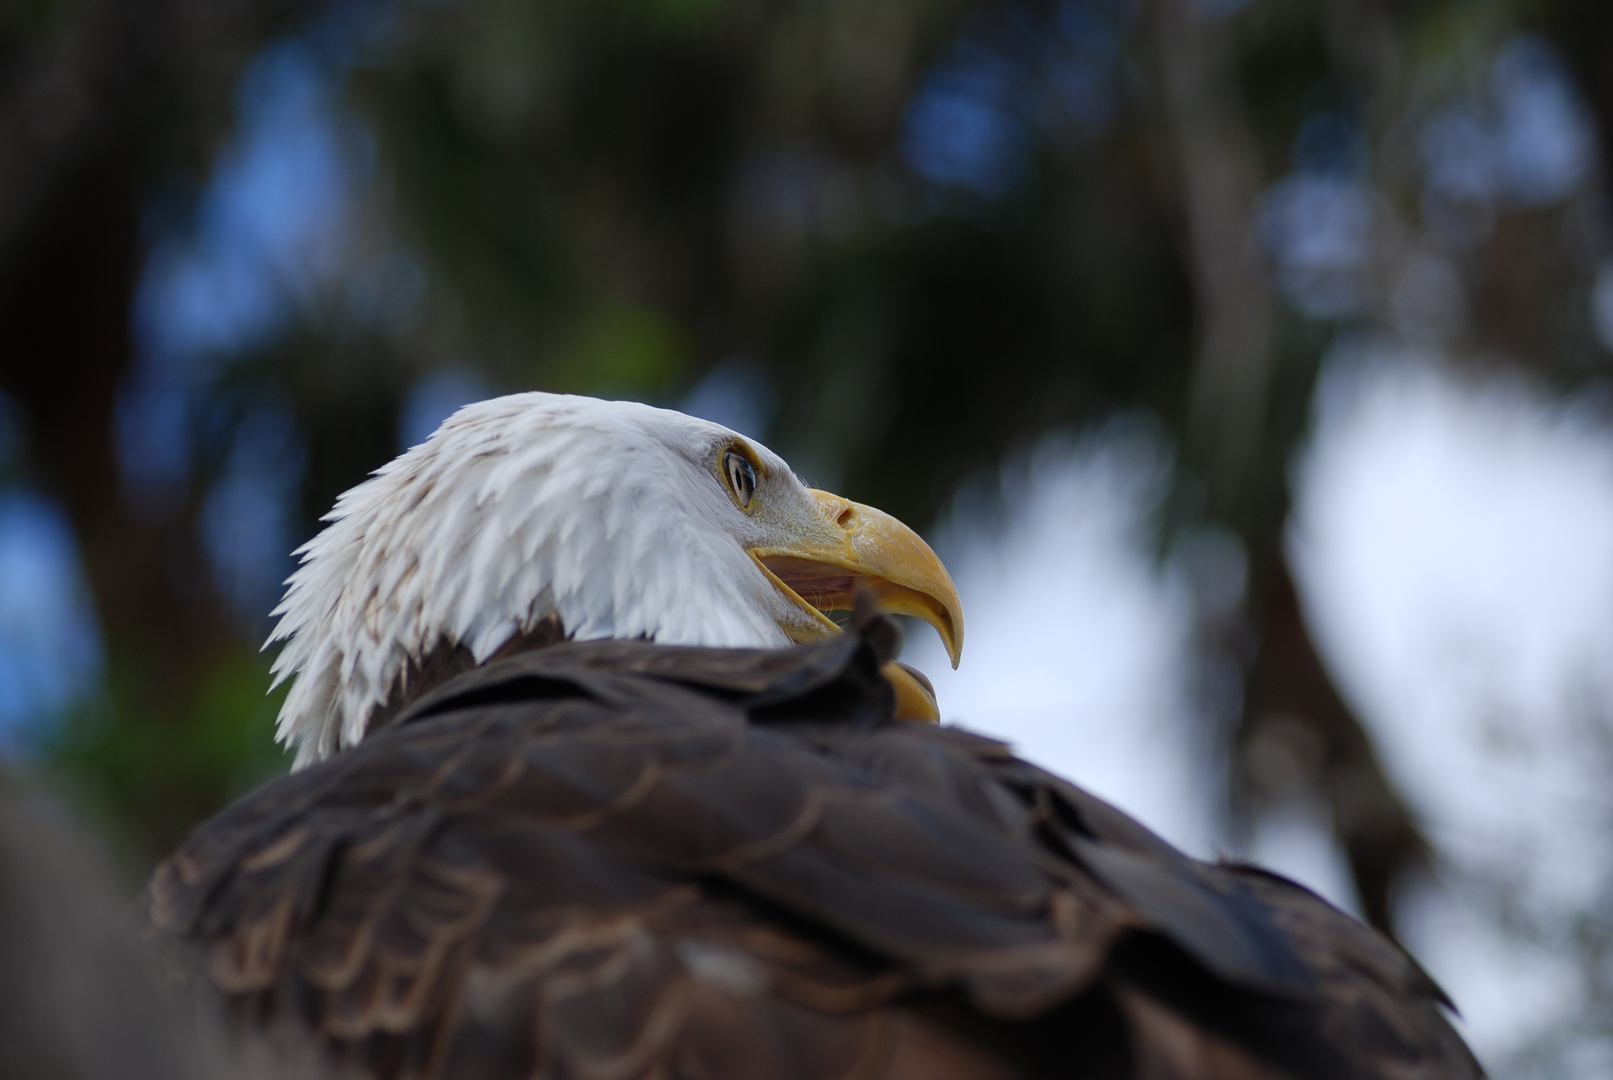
(67, 346)
(1583, 30)
(1297, 738)
(97, 100)
(81, 112)
(1219, 176)
(1239, 448)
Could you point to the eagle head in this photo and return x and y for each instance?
(599, 519)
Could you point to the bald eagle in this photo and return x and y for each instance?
(589, 787)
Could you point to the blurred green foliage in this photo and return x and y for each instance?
(145, 780)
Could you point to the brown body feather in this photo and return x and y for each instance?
(610, 860)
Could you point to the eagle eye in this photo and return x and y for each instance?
(741, 476)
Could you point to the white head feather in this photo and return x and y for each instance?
(609, 515)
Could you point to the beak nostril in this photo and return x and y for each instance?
(845, 516)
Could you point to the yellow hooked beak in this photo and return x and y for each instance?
(859, 547)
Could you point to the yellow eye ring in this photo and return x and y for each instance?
(740, 474)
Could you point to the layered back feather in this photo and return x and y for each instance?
(526, 507)
(620, 861)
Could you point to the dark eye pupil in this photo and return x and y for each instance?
(742, 478)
